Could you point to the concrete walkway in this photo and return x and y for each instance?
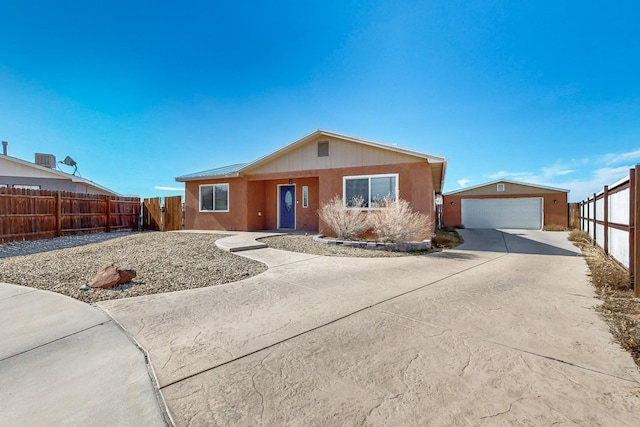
(501, 331)
(65, 363)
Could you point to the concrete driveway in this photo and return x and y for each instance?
(501, 331)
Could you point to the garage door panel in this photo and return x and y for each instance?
(525, 213)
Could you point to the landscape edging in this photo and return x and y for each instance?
(364, 244)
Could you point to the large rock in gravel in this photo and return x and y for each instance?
(109, 275)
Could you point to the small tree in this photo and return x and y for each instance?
(346, 223)
(396, 222)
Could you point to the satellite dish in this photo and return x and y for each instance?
(70, 162)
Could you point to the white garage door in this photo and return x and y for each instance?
(523, 213)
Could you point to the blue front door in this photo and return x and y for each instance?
(287, 206)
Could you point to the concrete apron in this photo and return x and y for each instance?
(493, 333)
(65, 363)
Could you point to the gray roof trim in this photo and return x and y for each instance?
(239, 168)
(506, 181)
(229, 171)
(431, 158)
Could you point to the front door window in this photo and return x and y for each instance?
(287, 206)
(288, 201)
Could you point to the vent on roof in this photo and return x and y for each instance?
(323, 149)
(500, 187)
(46, 160)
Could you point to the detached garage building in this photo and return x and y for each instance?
(507, 204)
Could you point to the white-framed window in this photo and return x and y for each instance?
(214, 198)
(500, 187)
(305, 196)
(372, 189)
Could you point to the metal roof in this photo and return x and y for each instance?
(431, 158)
(240, 168)
(55, 172)
(221, 172)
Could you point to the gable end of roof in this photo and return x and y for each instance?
(506, 181)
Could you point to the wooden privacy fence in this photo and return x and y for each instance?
(157, 217)
(610, 217)
(42, 214)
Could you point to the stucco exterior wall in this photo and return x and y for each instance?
(555, 206)
(259, 193)
(306, 218)
(235, 219)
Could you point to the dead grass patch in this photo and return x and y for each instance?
(555, 227)
(620, 308)
(446, 238)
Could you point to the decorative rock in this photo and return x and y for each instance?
(109, 275)
(386, 246)
(85, 287)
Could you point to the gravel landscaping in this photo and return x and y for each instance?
(305, 244)
(164, 262)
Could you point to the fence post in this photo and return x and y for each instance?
(595, 219)
(108, 228)
(58, 214)
(632, 227)
(587, 218)
(636, 236)
(606, 219)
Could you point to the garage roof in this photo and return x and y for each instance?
(506, 181)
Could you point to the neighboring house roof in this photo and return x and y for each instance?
(241, 168)
(56, 174)
(506, 181)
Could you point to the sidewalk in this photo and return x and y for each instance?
(64, 362)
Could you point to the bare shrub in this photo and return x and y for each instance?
(346, 223)
(396, 222)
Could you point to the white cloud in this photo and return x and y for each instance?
(582, 189)
(463, 182)
(162, 188)
(558, 169)
(517, 176)
(611, 159)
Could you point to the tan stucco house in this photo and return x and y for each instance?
(285, 189)
(507, 204)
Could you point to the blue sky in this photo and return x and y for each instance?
(139, 92)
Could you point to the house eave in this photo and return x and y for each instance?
(429, 157)
(203, 177)
(56, 174)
